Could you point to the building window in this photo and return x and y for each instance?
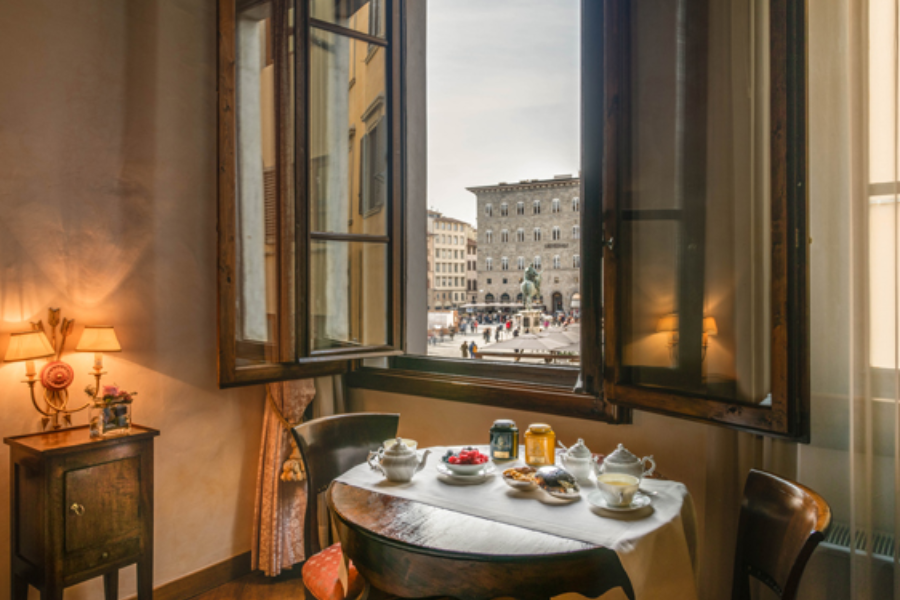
(489, 281)
(520, 208)
(489, 237)
(556, 234)
(489, 265)
(537, 234)
(504, 264)
(489, 210)
(504, 298)
(576, 204)
(504, 236)
(504, 210)
(576, 262)
(520, 263)
(520, 235)
(536, 207)
(556, 262)
(576, 232)
(554, 206)
(505, 281)
(537, 262)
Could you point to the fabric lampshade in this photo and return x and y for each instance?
(28, 345)
(98, 339)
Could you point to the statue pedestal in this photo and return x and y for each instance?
(530, 321)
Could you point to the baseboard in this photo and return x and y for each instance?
(204, 580)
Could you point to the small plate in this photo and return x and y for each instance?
(484, 473)
(637, 503)
(521, 485)
(565, 495)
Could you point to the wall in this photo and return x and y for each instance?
(107, 210)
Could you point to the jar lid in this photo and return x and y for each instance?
(509, 423)
(539, 428)
(579, 450)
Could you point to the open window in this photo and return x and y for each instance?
(688, 287)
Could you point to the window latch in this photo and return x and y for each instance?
(610, 243)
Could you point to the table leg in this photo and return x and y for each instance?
(53, 590)
(111, 585)
(19, 589)
(145, 577)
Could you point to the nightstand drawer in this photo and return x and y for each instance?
(102, 504)
(86, 561)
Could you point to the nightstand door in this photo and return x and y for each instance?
(102, 504)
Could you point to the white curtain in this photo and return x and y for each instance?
(853, 459)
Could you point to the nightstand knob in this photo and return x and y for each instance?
(77, 509)
(105, 555)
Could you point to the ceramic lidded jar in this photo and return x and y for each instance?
(577, 460)
(398, 462)
(623, 461)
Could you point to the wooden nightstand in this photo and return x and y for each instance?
(80, 508)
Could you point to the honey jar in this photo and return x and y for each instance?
(540, 444)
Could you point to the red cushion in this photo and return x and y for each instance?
(320, 575)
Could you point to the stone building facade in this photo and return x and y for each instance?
(531, 222)
(448, 261)
(472, 268)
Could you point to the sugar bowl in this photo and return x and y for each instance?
(623, 461)
(576, 459)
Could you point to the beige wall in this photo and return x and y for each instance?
(107, 210)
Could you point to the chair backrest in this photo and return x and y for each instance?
(331, 446)
(781, 523)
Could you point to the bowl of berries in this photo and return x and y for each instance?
(468, 461)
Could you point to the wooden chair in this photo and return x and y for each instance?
(331, 446)
(781, 523)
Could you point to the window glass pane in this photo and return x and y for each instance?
(502, 179)
(257, 187)
(349, 294)
(348, 136)
(366, 16)
(695, 234)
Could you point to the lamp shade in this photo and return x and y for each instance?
(28, 345)
(98, 339)
(709, 326)
(668, 323)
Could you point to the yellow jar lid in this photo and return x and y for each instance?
(539, 428)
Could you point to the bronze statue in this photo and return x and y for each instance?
(531, 285)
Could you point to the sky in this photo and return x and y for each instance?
(503, 95)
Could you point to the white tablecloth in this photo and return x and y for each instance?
(658, 551)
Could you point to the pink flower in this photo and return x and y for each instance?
(110, 391)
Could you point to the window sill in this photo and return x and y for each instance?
(546, 399)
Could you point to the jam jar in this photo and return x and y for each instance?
(540, 445)
(504, 440)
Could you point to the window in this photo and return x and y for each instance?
(536, 207)
(520, 235)
(504, 236)
(489, 265)
(520, 263)
(520, 208)
(504, 210)
(489, 281)
(556, 235)
(323, 289)
(556, 262)
(489, 210)
(576, 262)
(504, 264)
(489, 237)
(554, 206)
(537, 263)
(537, 234)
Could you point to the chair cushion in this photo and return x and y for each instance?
(321, 576)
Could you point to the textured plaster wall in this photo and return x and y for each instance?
(107, 210)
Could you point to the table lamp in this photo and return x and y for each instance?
(98, 340)
(57, 376)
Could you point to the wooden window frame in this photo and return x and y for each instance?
(788, 416)
(293, 357)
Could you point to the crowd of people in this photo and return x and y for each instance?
(492, 326)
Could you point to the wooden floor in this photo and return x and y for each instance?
(257, 586)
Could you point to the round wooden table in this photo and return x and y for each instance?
(415, 550)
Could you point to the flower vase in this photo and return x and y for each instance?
(109, 419)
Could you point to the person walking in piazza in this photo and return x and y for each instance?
(487, 335)
(465, 350)
(473, 348)
(497, 335)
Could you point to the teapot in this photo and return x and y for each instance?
(398, 462)
(576, 459)
(623, 461)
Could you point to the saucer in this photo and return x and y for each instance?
(637, 503)
(478, 477)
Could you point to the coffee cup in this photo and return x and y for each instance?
(618, 489)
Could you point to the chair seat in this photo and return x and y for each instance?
(321, 576)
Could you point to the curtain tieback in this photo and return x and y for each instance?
(293, 468)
